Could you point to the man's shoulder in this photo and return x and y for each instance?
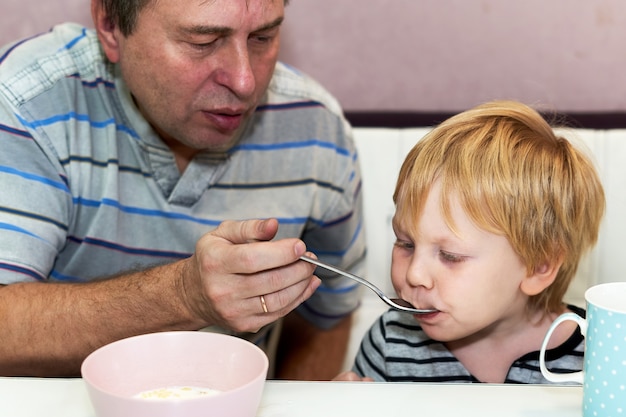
(290, 85)
(30, 66)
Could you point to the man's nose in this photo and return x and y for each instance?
(236, 72)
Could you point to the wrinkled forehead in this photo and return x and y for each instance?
(248, 3)
(213, 16)
(263, 4)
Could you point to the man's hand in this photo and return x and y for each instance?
(236, 264)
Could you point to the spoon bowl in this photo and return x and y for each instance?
(396, 303)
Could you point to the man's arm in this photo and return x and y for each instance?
(309, 353)
(49, 328)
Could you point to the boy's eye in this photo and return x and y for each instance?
(450, 257)
(402, 244)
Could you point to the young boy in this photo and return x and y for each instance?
(493, 213)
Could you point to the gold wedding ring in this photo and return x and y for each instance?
(263, 303)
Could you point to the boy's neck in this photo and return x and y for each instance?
(489, 357)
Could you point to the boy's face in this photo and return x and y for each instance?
(473, 277)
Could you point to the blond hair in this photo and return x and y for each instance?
(514, 177)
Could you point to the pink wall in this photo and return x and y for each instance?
(23, 18)
(433, 55)
(451, 54)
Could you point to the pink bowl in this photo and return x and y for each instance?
(117, 372)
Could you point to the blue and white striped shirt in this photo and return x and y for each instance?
(87, 188)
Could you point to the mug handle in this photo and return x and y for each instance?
(569, 377)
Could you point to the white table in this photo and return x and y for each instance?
(34, 397)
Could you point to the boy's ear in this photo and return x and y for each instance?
(106, 29)
(543, 275)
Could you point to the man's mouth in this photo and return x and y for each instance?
(225, 121)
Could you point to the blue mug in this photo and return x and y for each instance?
(604, 370)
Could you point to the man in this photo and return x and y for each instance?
(123, 156)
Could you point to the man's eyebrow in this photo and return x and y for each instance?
(207, 30)
(269, 26)
(224, 30)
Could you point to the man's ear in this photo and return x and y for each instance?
(541, 278)
(106, 29)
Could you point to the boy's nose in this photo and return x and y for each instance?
(417, 274)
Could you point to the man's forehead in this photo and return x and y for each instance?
(248, 2)
(228, 14)
(254, 6)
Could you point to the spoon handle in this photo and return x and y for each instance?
(346, 274)
(396, 303)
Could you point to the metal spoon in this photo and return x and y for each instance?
(397, 303)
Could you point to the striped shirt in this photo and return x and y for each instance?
(396, 349)
(88, 189)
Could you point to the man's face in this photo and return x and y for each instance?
(198, 68)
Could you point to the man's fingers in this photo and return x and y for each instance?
(247, 281)
(286, 299)
(248, 250)
(277, 304)
(247, 231)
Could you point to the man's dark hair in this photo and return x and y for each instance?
(124, 13)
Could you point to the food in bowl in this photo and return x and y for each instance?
(176, 393)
